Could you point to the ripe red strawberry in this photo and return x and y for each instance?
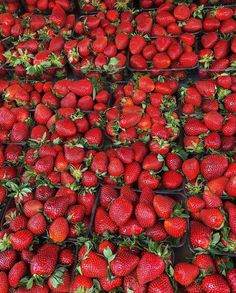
(200, 235)
(230, 187)
(172, 179)
(131, 227)
(217, 186)
(18, 223)
(45, 261)
(56, 207)
(157, 232)
(7, 259)
(128, 120)
(131, 173)
(44, 165)
(4, 285)
(150, 267)
(115, 167)
(212, 218)
(58, 16)
(7, 118)
(215, 282)
(147, 179)
(94, 265)
(232, 214)
(131, 283)
(185, 273)
(194, 127)
(145, 214)
(94, 136)
(205, 262)
(81, 282)
(99, 163)
(37, 224)
(206, 88)
(191, 168)
(175, 227)
(161, 284)
(59, 230)
(103, 222)
(213, 166)
(17, 272)
(163, 205)
(21, 240)
(109, 285)
(136, 44)
(65, 128)
(125, 154)
(213, 120)
(230, 276)
(107, 194)
(120, 210)
(124, 263)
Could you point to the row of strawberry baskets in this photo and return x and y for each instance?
(141, 41)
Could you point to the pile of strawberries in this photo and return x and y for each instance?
(117, 146)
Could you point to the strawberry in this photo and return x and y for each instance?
(171, 179)
(94, 265)
(131, 173)
(4, 286)
(17, 272)
(230, 186)
(131, 283)
(162, 283)
(213, 166)
(147, 179)
(175, 227)
(231, 214)
(230, 276)
(124, 263)
(205, 262)
(163, 205)
(147, 273)
(215, 282)
(44, 262)
(58, 16)
(185, 273)
(103, 222)
(122, 207)
(191, 168)
(213, 120)
(136, 44)
(21, 240)
(107, 194)
(56, 207)
(81, 282)
(59, 230)
(109, 285)
(212, 218)
(7, 259)
(200, 235)
(145, 214)
(131, 227)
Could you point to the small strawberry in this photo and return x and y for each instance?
(150, 267)
(4, 286)
(124, 263)
(120, 210)
(185, 273)
(162, 284)
(17, 272)
(59, 230)
(215, 282)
